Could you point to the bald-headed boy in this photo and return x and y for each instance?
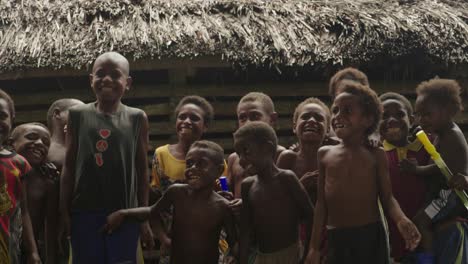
(57, 118)
(105, 167)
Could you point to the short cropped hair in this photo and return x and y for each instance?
(313, 100)
(257, 132)
(349, 73)
(400, 98)
(16, 131)
(10, 103)
(217, 150)
(264, 100)
(61, 105)
(368, 100)
(199, 101)
(443, 93)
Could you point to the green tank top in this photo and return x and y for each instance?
(105, 173)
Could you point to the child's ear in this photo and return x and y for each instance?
(91, 80)
(294, 128)
(411, 119)
(221, 169)
(9, 142)
(129, 83)
(56, 113)
(273, 118)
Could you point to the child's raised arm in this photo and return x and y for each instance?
(320, 213)
(407, 229)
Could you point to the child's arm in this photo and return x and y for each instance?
(245, 222)
(391, 207)
(320, 213)
(141, 163)
(299, 195)
(140, 214)
(67, 180)
(51, 220)
(286, 159)
(28, 234)
(232, 237)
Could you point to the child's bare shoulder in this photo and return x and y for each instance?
(325, 149)
(286, 175)
(454, 135)
(247, 183)
(287, 157)
(177, 189)
(232, 158)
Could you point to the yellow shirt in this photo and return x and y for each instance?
(164, 163)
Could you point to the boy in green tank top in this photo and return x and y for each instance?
(105, 168)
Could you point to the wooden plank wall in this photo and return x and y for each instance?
(157, 93)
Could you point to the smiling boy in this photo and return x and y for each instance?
(199, 212)
(105, 167)
(32, 141)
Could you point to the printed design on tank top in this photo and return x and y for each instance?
(101, 146)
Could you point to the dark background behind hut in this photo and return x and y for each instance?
(158, 91)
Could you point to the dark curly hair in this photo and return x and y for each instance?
(208, 112)
(444, 93)
(313, 100)
(217, 150)
(349, 73)
(257, 132)
(264, 99)
(400, 98)
(368, 100)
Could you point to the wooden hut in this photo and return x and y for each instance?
(223, 49)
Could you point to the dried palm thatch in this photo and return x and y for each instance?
(70, 33)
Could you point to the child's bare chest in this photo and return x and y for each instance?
(268, 195)
(198, 214)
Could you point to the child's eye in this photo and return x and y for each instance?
(305, 116)
(334, 110)
(385, 116)
(319, 118)
(195, 118)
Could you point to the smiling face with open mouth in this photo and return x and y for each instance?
(395, 123)
(311, 123)
(190, 124)
(201, 170)
(32, 141)
(348, 118)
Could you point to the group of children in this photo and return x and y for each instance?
(356, 188)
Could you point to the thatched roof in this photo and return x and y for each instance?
(70, 33)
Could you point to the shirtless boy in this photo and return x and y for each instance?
(253, 106)
(274, 202)
(199, 212)
(57, 118)
(352, 177)
(32, 141)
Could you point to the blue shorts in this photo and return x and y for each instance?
(90, 245)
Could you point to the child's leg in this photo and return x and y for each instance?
(424, 224)
(87, 240)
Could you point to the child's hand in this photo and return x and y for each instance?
(227, 195)
(408, 165)
(63, 231)
(230, 260)
(147, 237)
(114, 220)
(313, 257)
(459, 182)
(34, 258)
(409, 232)
(236, 206)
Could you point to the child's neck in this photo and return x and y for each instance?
(352, 142)
(203, 193)
(308, 149)
(268, 171)
(107, 107)
(58, 136)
